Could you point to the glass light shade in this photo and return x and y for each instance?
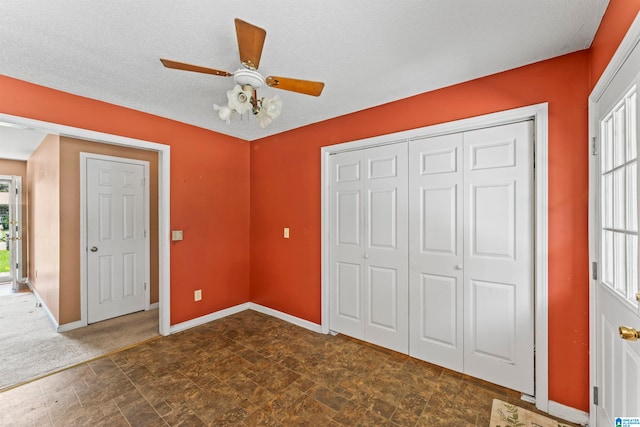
(239, 99)
(224, 112)
(272, 106)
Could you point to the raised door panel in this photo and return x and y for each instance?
(115, 232)
(498, 258)
(347, 245)
(435, 214)
(386, 251)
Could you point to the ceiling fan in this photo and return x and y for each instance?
(243, 97)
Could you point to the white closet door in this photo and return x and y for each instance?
(436, 250)
(347, 243)
(498, 255)
(369, 250)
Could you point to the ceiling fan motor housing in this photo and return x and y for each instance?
(248, 77)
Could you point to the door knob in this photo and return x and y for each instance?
(627, 333)
(366, 256)
(94, 249)
(459, 267)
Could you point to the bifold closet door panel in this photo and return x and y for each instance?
(386, 247)
(347, 243)
(369, 249)
(498, 255)
(436, 250)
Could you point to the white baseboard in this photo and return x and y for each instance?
(153, 306)
(71, 326)
(568, 413)
(50, 316)
(286, 317)
(241, 307)
(208, 318)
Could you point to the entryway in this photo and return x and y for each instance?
(10, 230)
(429, 246)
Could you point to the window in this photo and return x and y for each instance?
(619, 198)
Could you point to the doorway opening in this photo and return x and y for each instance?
(10, 231)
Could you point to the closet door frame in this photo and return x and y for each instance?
(539, 114)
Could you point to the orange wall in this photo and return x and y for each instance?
(285, 192)
(613, 27)
(209, 191)
(43, 193)
(19, 168)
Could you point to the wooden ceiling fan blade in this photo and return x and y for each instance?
(250, 43)
(306, 87)
(195, 68)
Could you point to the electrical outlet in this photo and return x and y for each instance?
(197, 295)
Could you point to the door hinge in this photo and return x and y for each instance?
(595, 396)
(145, 233)
(145, 286)
(594, 270)
(594, 146)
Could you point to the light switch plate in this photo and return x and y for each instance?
(197, 295)
(286, 232)
(176, 235)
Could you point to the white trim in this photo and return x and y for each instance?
(44, 306)
(84, 279)
(153, 306)
(624, 50)
(286, 317)
(539, 113)
(209, 318)
(16, 276)
(314, 327)
(164, 187)
(568, 413)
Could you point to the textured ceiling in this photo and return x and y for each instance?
(368, 52)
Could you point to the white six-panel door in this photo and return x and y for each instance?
(436, 250)
(369, 232)
(115, 239)
(498, 255)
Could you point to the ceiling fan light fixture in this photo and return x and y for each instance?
(224, 112)
(240, 99)
(272, 106)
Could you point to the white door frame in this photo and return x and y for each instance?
(16, 247)
(539, 113)
(629, 42)
(164, 158)
(84, 276)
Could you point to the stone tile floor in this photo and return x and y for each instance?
(251, 369)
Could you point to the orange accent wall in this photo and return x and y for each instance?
(613, 27)
(209, 191)
(285, 192)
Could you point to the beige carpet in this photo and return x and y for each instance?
(31, 348)
(506, 415)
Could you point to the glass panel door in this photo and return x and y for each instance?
(619, 201)
(10, 233)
